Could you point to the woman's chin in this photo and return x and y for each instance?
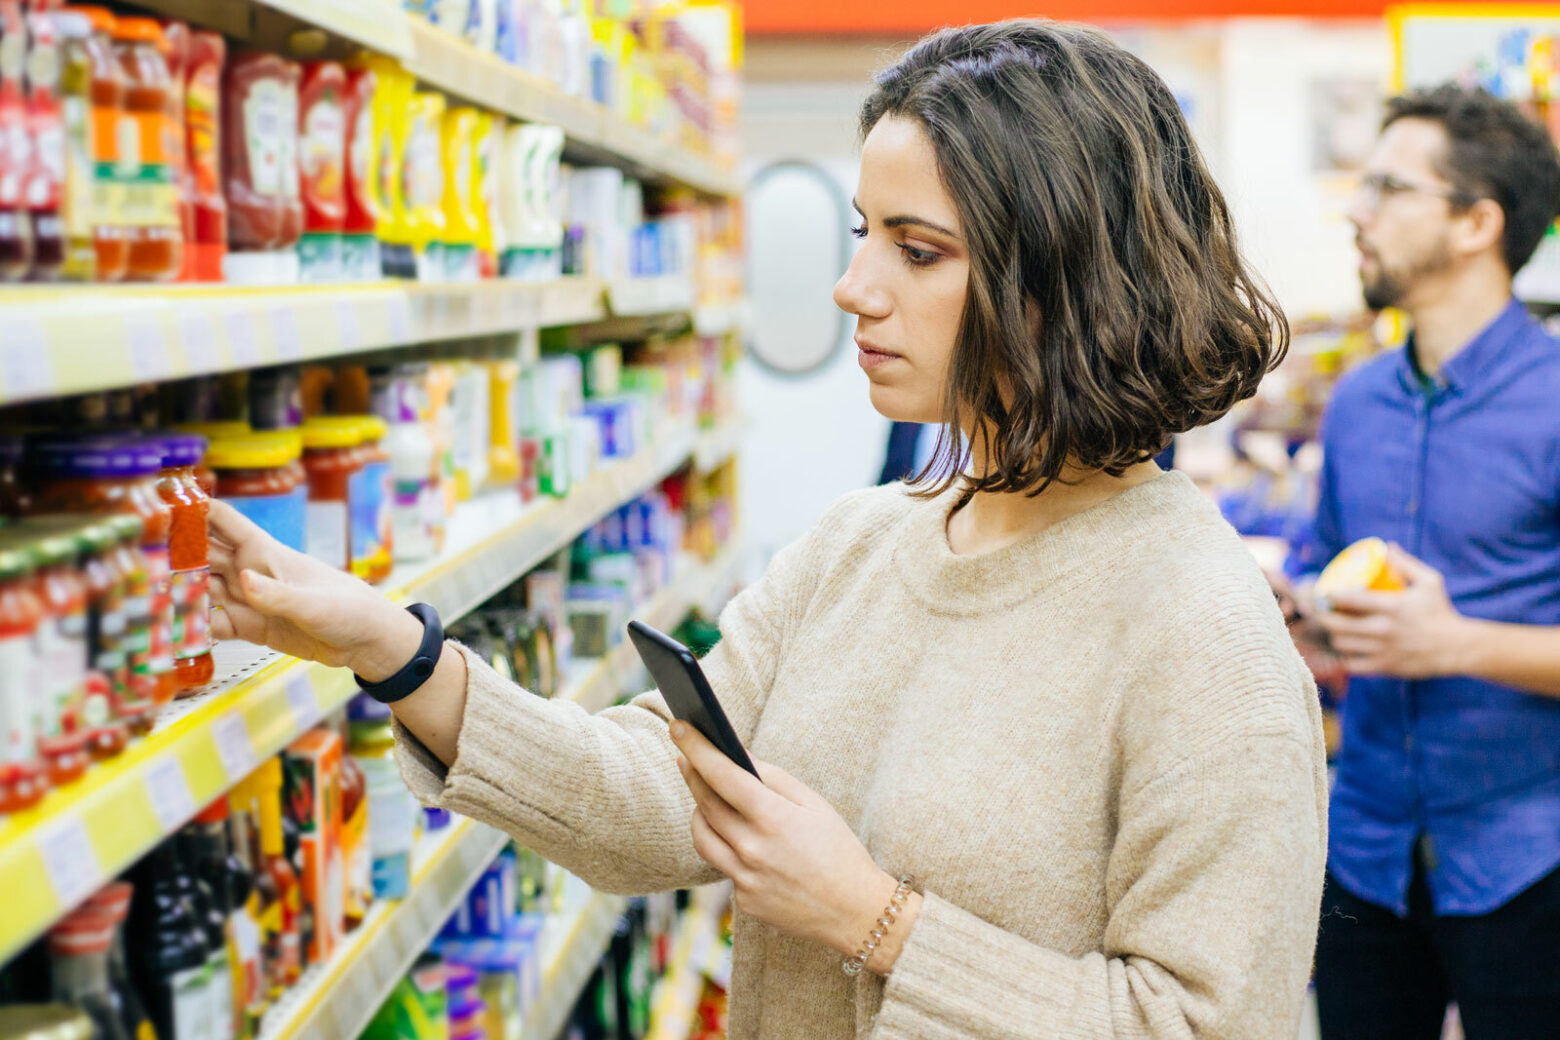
(894, 404)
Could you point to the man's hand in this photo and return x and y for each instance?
(1412, 634)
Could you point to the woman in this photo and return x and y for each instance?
(1054, 692)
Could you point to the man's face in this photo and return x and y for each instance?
(1402, 216)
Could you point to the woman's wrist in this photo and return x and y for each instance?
(865, 918)
(394, 638)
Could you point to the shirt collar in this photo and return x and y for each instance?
(1472, 361)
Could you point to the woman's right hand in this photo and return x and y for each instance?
(264, 592)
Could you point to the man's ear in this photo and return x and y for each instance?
(1480, 227)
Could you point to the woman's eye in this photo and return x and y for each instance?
(919, 257)
(860, 231)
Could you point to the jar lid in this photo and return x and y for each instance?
(374, 428)
(101, 18)
(333, 431)
(100, 459)
(88, 930)
(255, 451)
(44, 1022)
(140, 30)
(181, 449)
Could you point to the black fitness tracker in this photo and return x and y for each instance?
(415, 672)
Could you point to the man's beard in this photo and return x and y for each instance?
(1390, 285)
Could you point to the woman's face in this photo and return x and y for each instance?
(908, 280)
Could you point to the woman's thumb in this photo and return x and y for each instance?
(266, 594)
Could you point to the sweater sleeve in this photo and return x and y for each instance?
(1206, 936)
(600, 795)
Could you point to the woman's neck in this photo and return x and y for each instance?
(991, 520)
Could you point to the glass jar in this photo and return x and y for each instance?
(62, 655)
(106, 95)
(128, 564)
(370, 494)
(331, 457)
(21, 766)
(78, 211)
(156, 238)
(258, 475)
(188, 558)
(105, 477)
(213, 431)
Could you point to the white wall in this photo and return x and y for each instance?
(1249, 82)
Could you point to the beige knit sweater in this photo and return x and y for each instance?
(1095, 750)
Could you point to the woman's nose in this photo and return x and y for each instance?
(854, 292)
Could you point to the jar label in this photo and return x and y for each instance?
(325, 533)
(191, 612)
(263, 136)
(160, 640)
(18, 711)
(280, 516)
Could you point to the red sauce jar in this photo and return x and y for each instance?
(156, 247)
(61, 646)
(188, 558)
(260, 476)
(332, 455)
(105, 477)
(22, 781)
(127, 563)
(106, 93)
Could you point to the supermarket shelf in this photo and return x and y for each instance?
(335, 1000)
(567, 968)
(382, 25)
(642, 297)
(677, 996)
(66, 341)
(443, 60)
(595, 685)
(718, 319)
(54, 855)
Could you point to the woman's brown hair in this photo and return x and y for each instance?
(1107, 299)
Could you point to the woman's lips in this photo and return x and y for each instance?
(870, 357)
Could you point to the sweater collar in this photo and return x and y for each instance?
(953, 584)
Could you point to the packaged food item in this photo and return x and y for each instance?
(256, 475)
(259, 151)
(416, 513)
(172, 949)
(393, 90)
(45, 185)
(471, 427)
(1363, 566)
(22, 781)
(150, 201)
(202, 847)
(107, 589)
(312, 768)
(462, 220)
(331, 457)
(392, 816)
(322, 138)
(275, 398)
(369, 496)
(107, 477)
(177, 53)
(78, 262)
(504, 467)
(128, 564)
(280, 891)
(78, 950)
(360, 260)
(106, 115)
(113, 901)
(16, 237)
(188, 548)
(486, 150)
(207, 242)
(422, 189)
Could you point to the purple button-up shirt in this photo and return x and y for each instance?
(1463, 471)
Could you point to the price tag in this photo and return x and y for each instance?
(200, 340)
(300, 696)
(149, 360)
(169, 791)
(400, 320)
(289, 341)
(234, 747)
(72, 864)
(24, 359)
(241, 338)
(347, 325)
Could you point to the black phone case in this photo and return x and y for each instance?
(686, 691)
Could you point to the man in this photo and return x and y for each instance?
(1444, 853)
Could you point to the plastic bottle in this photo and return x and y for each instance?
(231, 883)
(462, 222)
(171, 950)
(259, 151)
(203, 154)
(416, 504)
(280, 918)
(486, 150)
(359, 248)
(504, 464)
(472, 427)
(78, 950)
(393, 89)
(16, 238)
(422, 187)
(79, 260)
(322, 140)
(45, 184)
(206, 890)
(113, 900)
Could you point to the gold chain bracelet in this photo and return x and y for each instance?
(854, 966)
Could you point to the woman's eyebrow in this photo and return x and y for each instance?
(903, 220)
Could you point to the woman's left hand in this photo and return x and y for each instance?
(793, 862)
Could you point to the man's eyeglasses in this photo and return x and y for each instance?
(1374, 187)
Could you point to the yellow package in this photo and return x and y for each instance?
(458, 139)
(422, 172)
(486, 149)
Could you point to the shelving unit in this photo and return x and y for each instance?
(336, 999)
(677, 996)
(54, 855)
(567, 966)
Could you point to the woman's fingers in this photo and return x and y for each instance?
(230, 527)
(711, 848)
(728, 823)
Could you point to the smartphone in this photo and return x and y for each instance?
(686, 691)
